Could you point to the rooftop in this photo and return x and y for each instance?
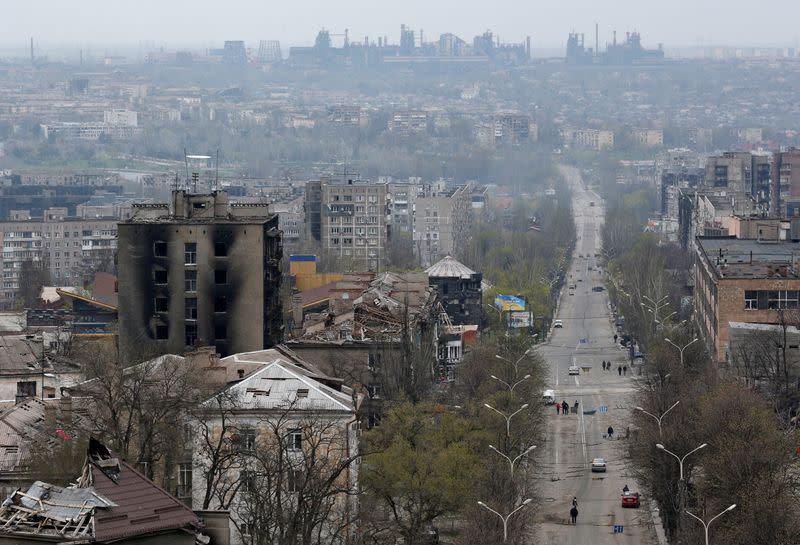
(450, 267)
(737, 258)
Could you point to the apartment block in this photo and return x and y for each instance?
(588, 138)
(747, 281)
(406, 122)
(785, 181)
(201, 271)
(650, 138)
(514, 128)
(440, 222)
(67, 247)
(352, 219)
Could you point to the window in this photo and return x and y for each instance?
(782, 299)
(220, 332)
(374, 362)
(190, 253)
(26, 389)
(191, 309)
(191, 334)
(302, 392)
(160, 248)
(750, 300)
(184, 480)
(220, 276)
(374, 391)
(247, 479)
(220, 249)
(162, 304)
(295, 439)
(162, 332)
(295, 480)
(220, 303)
(247, 440)
(160, 276)
(190, 281)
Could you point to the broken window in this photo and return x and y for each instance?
(162, 304)
(220, 303)
(220, 276)
(26, 388)
(190, 253)
(220, 249)
(160, 276)
(160, 248)
(191, 309)
(294, 439)
(162, 332)
(302, 392)
(220, 332)
(191, 334)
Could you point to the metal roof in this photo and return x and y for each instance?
(450, 267)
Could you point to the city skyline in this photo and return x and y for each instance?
(204, 23)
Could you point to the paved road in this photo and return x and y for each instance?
(573, 440)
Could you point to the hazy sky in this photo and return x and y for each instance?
(672, 22)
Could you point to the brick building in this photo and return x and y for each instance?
(746, 281)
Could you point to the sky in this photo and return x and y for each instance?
(675, 23)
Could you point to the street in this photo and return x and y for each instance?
(573, 440)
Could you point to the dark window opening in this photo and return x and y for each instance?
(302, 392)
(26, 389)
(295, 483)
(191, 309)
(220, 332)
(295, 439)
(160, 276)
(190, 282)
(162, 304)
(160, 248)
(162, 332)
(191, 334)
(220, 249)
(220, 276)
(220, 303)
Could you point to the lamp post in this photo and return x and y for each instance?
(512, 462)
(684, 347)
(707, 524)
(511, 386)
(507, 417)
(505, 518)
(658, 418)
(515, 363)
(680, 459)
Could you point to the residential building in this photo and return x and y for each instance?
(440, 222)
(747, 281)
(649, 138)
(202, 271)
(352, 219)
(785, 181)
(286, 410)
(66, 247)
(459, 290)
(593, 139)
(514, 128)
(291, 220)
(407, 122)
(29, 370)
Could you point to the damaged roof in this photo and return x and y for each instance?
(450, 267)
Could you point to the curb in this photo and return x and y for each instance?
(661, 536)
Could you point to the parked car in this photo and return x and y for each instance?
(630, 499)
(549, 397)
(558, 323)
(599, 465)
(574, 370)
(598, 288)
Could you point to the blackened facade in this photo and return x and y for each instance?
(459, 290)
(204, 272)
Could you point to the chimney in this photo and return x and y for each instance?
(66, 409)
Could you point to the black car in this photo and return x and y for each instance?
(598, 288)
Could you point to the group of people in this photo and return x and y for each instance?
(563, 407)
(621, 369)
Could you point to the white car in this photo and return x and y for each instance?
(574, 370)
(598, 465)
(558, 323)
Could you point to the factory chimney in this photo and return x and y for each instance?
(32, 60)
(596, 38)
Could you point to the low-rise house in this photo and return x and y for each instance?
(279, 450)
(28, 370)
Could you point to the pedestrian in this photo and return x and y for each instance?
(558, 408)
(615, 338)
(575, 502)
(564, 407)
(619, 370)
(610, 432)
(573, 513)
(604, 365)
(625, 370)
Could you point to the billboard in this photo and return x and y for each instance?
(508, 303)
(517, 320)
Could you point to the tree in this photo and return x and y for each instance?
(33, 276)
(423, 465)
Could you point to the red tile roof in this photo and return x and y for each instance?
(142, 507)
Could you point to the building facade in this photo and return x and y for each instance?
(201, 272)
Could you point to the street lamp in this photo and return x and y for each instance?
(707, 524)
(659, 418)
(680, 460)
(505, 518)
(511, 461)
(507, 417)
(681, 349)
(511, 386)
(516, 363)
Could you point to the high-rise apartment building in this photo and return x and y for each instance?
(352, 219)
(440, 222)
(202, 271)
(786, 181)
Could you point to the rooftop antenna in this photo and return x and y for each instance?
(186, 160)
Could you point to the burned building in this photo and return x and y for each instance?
(202, 271)
(459, 289)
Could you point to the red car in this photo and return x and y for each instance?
(630, 499)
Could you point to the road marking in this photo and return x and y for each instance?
(583, 432)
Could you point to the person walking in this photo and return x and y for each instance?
(558, 408)
(610, 432)
(619, 370)
(625, 370)
(604, 365)
(564, 407)
(573, 514)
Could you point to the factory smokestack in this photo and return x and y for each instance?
(32, 59)
(596, 38)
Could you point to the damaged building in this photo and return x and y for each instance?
(201, 272)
